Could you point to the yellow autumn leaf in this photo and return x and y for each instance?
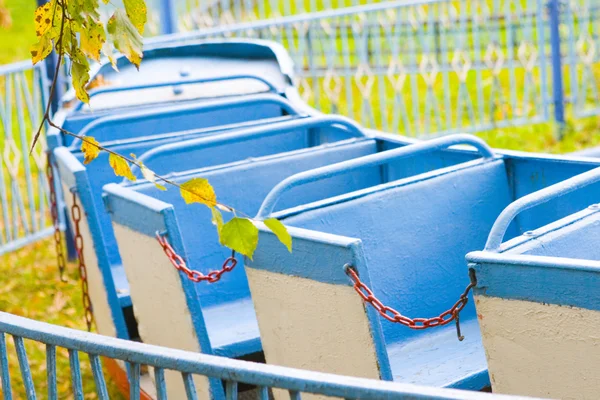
(41, 49)
(90, 149)
(280, 231)
(150, 176)
(81, 77)
(198, 190)
(217, 219)
(92, 39)
(121, 167)
(43, 17)
(136, 11)
(125, 37)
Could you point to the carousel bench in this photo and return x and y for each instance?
(213, 318)
(537, 297)
(406, 240)
(96, 227)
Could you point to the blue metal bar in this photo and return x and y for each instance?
(4, 373)
(159, 381)
(51, 372)
(190, 388)
(75, 374)
(502, 223)
(101, 389)
(24, 366)
(231, 390)
(134, 381)
(557, 71)
(168, 17)
(153, 85)
(367, 161)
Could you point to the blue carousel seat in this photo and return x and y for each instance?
(406, 240)
(87, 183)
(546, 283)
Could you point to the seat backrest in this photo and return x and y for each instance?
(408, 241)
(156, 120)
(161, 295)
(244, 187)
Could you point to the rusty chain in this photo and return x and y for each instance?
(193, 275)
(60, 255)
(395, 316)
(87, 303)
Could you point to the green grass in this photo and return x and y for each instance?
(16, 40)
(29, 284)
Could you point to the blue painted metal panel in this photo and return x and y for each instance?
(268, 376)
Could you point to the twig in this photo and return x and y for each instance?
(54, 78)
(140, 165)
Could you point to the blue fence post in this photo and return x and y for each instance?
(556, 57)
(168, 17)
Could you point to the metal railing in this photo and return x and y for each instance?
(432, 67)
(24, 216)
(135, 355)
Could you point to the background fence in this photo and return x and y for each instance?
(420, 68)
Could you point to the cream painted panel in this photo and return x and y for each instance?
(102, 313)
(312, 325)
(158, 302)
(541, 350)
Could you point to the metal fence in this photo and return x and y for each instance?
(23, 186)
(431, 67)
(58, 341)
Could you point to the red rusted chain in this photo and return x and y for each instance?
(395, 316)
(193, 275)
(60, 255)
(87, 302)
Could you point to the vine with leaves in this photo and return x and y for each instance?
(74, 29)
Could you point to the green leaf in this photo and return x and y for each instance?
(280, 231)
(241, 235)
(90, 149)
(41, 49)
(136, 11)
(125, 37)
(198, 190)
(81, 77)
(217, 219)
(92, 39)
(121, 167)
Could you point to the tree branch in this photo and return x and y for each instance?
(54, 78)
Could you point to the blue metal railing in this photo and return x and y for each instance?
(23, 186)
(232, 372)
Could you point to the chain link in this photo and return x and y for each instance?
(195, 276)
(87, 303)
(395, 316)
(60, 255)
